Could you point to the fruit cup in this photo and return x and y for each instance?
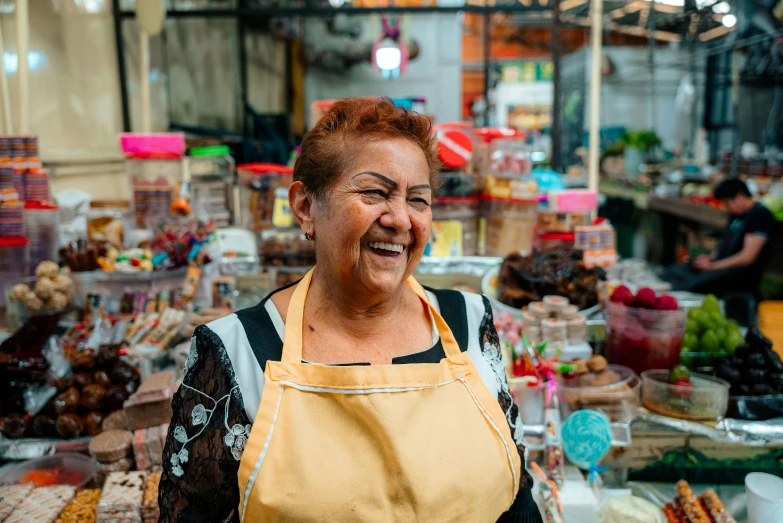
(644, 339)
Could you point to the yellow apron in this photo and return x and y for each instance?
(419, 442)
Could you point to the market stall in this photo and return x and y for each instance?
(666, 386)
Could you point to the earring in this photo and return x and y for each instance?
(309, 237)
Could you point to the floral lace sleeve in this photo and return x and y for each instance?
(207, 435)
(524, 509)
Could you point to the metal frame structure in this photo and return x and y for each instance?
(642, 18)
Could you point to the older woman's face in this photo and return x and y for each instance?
(374, 222)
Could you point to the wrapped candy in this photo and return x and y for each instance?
(553, 452)
(550, 497)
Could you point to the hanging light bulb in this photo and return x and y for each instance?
(388, 58)
(729, 21)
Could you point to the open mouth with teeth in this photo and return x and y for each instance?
(388, 250)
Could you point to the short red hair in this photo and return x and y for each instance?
(327, 150)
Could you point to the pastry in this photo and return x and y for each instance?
(630, 509)
(82, 508)
(18, 292)
(596, 363)
(121, 465)
(42, 505)
(122, 497)
(12, 496)
(32, 302)
(115, 421)
(44, 289)
(111, 445)
(47, 269)
(59, 301)
(63, 284)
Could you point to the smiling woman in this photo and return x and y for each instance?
(355, 394)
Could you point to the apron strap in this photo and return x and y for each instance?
(454, 310)
(292, 342)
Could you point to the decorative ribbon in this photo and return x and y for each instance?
(594, 471)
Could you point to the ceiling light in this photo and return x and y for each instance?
(388, 56)
(729, 21)
(721, 8)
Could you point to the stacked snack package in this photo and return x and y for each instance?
(43, 505)
(121, 498)
(550, 497)
(148, 447)
(150, 405)
(111, 449)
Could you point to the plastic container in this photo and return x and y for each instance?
(529, 399)
(765, 497)
(14, 260)
(556, 240)
(78, 469)
(16, 311)
(211, 179)
(263, 196)
(110, 221)
(554, 221)
(154, 183)
(483, 146)
(643, 339)
(619, 400)
(756, 408)
(42, 227)
(706, 400)
(455, 227)
(510, 225)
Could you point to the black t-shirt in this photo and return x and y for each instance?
(758, 221)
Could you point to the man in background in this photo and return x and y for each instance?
(745, 248)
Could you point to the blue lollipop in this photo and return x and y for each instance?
(587, 438)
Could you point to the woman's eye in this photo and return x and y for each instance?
(376, 192)
(420, 201)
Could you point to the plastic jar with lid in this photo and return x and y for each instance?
(211, 171)
(14, 261)
(510, 225)
(261, 205)
(455, 227)
(42, 227)
(110, 221)
(153, 184)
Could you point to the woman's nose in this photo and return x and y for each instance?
(396, 217)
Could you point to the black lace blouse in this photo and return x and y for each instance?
(215, 406)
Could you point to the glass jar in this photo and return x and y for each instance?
(110, 221)
(455, 227)
(42, 227)
(263, 196)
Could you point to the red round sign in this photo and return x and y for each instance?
(454, 149)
